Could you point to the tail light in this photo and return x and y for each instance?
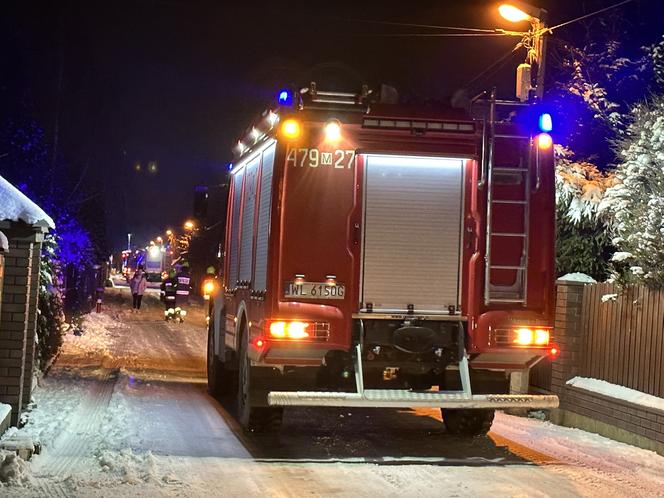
(526, 336)
(293, 329)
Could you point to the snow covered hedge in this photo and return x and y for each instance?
(636, 202)
(51, 319)
(583, 241)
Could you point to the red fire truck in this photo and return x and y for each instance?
(380, 255)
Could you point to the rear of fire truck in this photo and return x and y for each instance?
(386, 256)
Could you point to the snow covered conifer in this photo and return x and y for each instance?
(583, 241)
(636, 202)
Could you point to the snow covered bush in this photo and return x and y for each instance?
(636, 201)
(583, 241)
(51, 318)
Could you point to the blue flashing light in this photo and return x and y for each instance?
(229, 166)
(285, 98)
(545, 122)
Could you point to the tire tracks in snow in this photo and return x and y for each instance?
(78, 440)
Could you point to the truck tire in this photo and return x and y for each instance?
(467, 422)
(219, 379)
(253, 418)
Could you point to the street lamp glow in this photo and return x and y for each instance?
(169, 232)
(512, 13)
(189, 225)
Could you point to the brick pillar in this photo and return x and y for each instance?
(568, 334)
(31, 331)
(14, 323)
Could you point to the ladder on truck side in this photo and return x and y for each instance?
(519, 174)
(408, 398)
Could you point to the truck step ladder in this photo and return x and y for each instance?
(517, 292)
(403, 398)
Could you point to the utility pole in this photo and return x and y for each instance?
(128, 242)
(533, 40)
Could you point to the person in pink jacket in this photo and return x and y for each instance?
(137, 284)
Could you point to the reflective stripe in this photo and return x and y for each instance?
(182, 292)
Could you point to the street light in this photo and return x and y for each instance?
(534, 41)
(513, 13)
(189, 225)
(169, 232)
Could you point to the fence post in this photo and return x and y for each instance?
(568, 335)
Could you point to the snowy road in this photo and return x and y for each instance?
(124, 412)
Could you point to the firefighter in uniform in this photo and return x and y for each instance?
(168, 288)
(182, 287)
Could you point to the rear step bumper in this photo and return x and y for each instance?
(383, 398)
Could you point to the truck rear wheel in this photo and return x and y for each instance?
(253, 418)
(467, 422)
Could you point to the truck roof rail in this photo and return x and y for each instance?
(311, 97)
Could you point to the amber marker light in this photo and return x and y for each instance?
(544, 141)
(290, 128)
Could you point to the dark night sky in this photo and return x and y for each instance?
(176, 81)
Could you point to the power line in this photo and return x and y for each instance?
(496, 65)
(588, 15)
(430, 35)
(429, 26)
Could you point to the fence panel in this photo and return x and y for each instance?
(624, 337)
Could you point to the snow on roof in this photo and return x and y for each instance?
(578, 277)
(4, 243)
(15, 206)
(619, 392)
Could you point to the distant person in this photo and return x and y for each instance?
(182, 286)
(168, 287)
(137, 284)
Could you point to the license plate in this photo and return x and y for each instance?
(315, 290)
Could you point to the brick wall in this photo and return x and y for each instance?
(587, 410)
(31, 331)
(14, 323)
(18, 313)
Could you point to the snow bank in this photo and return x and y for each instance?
(14, 471)
(618, 392)
(16, 206)
(578, 277)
